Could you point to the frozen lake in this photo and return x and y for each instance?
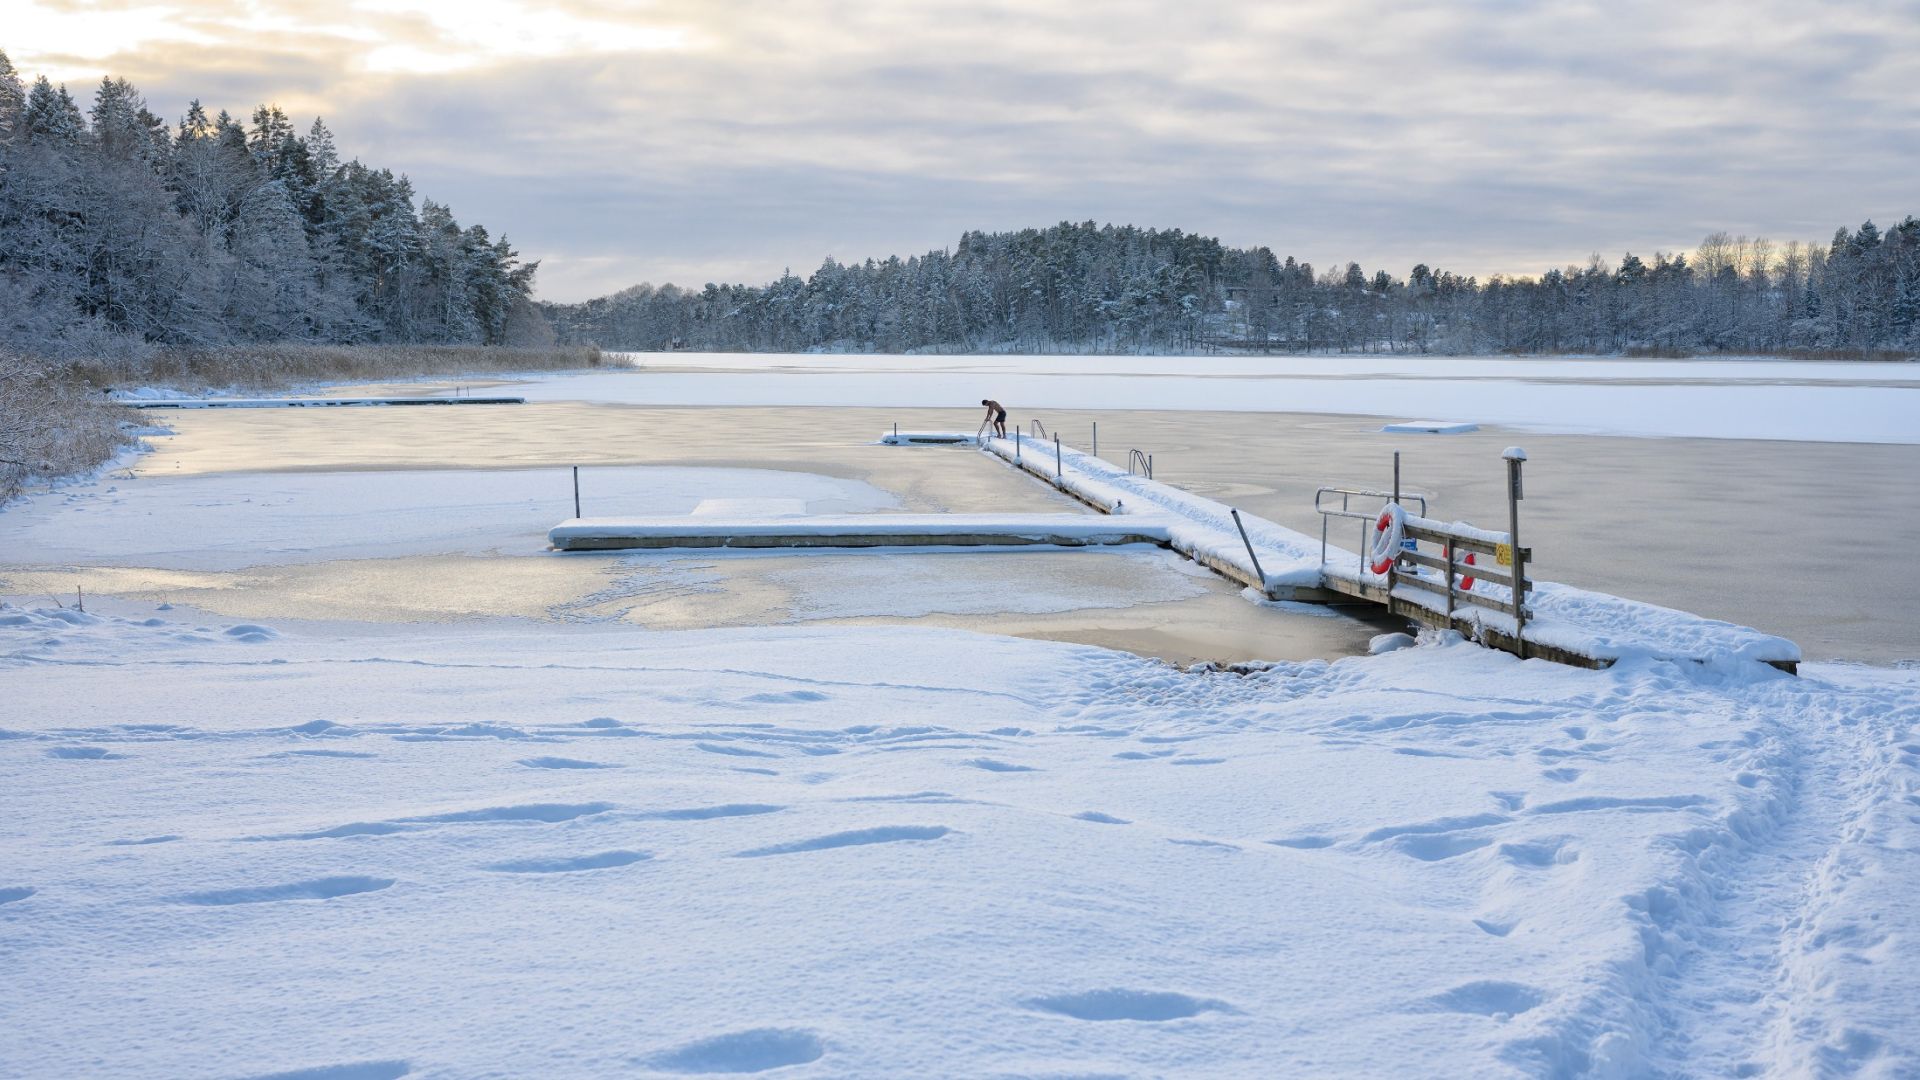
(1784, 535)
(1753, 399)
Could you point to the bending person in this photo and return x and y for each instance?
(997, 416)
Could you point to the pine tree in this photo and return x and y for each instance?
(13, 99)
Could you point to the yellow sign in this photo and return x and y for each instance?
(1503, 554)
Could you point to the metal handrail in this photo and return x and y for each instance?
(1347, 495)
(1144, 462)
(1038, 429)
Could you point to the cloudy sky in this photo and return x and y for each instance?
(693, 140)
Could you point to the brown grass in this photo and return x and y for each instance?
(52, 426)
(280, 367)
(56, 419)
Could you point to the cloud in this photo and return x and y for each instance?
(689, 140)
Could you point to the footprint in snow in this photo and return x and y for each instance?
(84, 753)
(707, 813)
(789, 697)
(886, 834)
(991, 765)
(359, 1070)
(1215, 844)
(1104, 819)
(1152, 1006)
(604, 860)
(1554, 851)
(1433, 847)
(1491, 997)
(742, 1052)
(732, 751)
(328, 888)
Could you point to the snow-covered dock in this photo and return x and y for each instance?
(1564, 624)
(308, 403)
(852, 531)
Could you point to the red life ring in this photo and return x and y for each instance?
(1387, 532)
(1466, 583)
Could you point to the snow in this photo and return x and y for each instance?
(1864, 403)
(353, 851)
(874, 852)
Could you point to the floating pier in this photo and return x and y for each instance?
(308, 403)
(852, 531)
(1466, 579)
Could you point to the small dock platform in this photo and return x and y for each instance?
(852, 531)
(308, 403)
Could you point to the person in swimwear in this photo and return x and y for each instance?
(997, 414)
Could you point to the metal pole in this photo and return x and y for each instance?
(1396, 476)
(1016, 444)
(1059, 473)
(576, 491)
(1262, 574)
(1096, 438)
(1515, 457)
(896, 431)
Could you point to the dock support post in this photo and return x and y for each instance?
(1016, 446)
(1259, 573)
(1096, 438)
(1515, 457)
(576, 491)
(1059, 471)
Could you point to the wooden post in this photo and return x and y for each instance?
(1515, 457)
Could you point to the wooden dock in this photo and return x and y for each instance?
(853, 531)
(309, 403)
(1466, 579)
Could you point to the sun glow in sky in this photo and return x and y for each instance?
(696, 140)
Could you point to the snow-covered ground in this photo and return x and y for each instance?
(359, 851)
(1754, 399)
(240, 850)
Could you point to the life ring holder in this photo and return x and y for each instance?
(1388, 530)
(1466, 583)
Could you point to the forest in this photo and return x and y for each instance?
(121, 234)
(1088, 288)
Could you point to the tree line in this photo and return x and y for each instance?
(1104, 288)
(120, 234)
